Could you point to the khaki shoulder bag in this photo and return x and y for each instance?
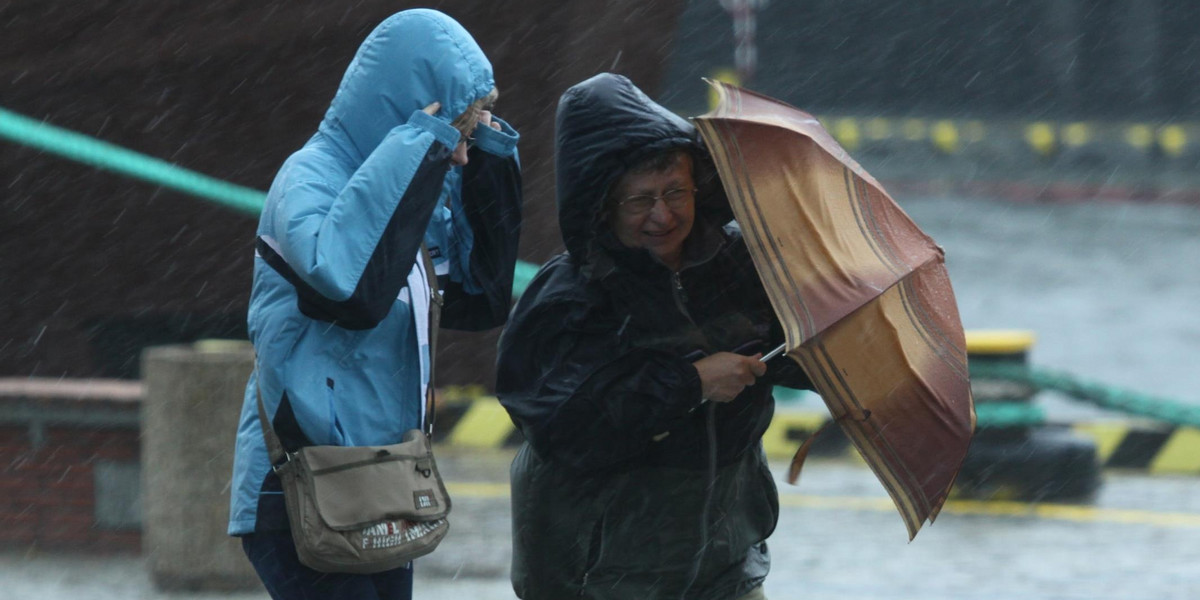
(366, 509)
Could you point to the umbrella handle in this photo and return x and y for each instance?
(774, 353)
(765, 358)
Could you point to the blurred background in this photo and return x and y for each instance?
(1051, 147)
(1054, 100)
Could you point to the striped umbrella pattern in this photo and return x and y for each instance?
(863, 295)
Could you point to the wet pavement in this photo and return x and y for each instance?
(839, 538)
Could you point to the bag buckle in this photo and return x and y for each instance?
(424, 466)
(287, 458)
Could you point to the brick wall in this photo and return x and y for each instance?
(69, 469)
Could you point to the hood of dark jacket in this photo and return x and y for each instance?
(604, 126)
(412, 59)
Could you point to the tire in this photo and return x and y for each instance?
(1048, 464)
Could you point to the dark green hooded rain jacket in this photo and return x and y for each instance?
(596, 366)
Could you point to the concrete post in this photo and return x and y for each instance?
(193, 395)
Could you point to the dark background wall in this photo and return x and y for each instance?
(94, 266)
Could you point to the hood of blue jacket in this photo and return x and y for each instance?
(410, 60)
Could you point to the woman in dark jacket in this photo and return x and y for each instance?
(631, 366)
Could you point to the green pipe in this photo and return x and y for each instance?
(1104, 396)
(110, 157)
(103, 155)
(523, 276)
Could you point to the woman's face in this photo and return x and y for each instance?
(644, 218)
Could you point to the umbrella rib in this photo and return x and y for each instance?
(743, 190)
(844, 396)
(757, 223)
(906, 501)
(868, 225)
(933, 337)
(858, 190)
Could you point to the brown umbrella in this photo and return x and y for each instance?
(863, 295)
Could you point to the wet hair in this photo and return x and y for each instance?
(659, 162)
(466, 122)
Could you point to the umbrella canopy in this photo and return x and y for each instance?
(862, 292)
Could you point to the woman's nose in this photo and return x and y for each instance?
(660, 212)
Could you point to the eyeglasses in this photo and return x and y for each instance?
(644, 203)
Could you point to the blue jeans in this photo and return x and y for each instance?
(274, 558)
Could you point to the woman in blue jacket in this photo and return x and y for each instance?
(408, 152)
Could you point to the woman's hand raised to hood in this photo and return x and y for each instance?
(485, 118)
(459, 156)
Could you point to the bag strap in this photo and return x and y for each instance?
(275, 447)
(435, 318)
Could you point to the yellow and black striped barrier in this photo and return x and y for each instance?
(1158, 450)
(480, 422)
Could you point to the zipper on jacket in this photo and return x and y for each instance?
(595, 547)
(680, 295)
(583, 584)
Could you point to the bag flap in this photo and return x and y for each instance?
(362, 485)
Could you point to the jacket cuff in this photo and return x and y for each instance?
(442, 131)
(500, 143)
(693, 388)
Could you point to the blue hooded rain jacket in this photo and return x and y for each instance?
(339, 307)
